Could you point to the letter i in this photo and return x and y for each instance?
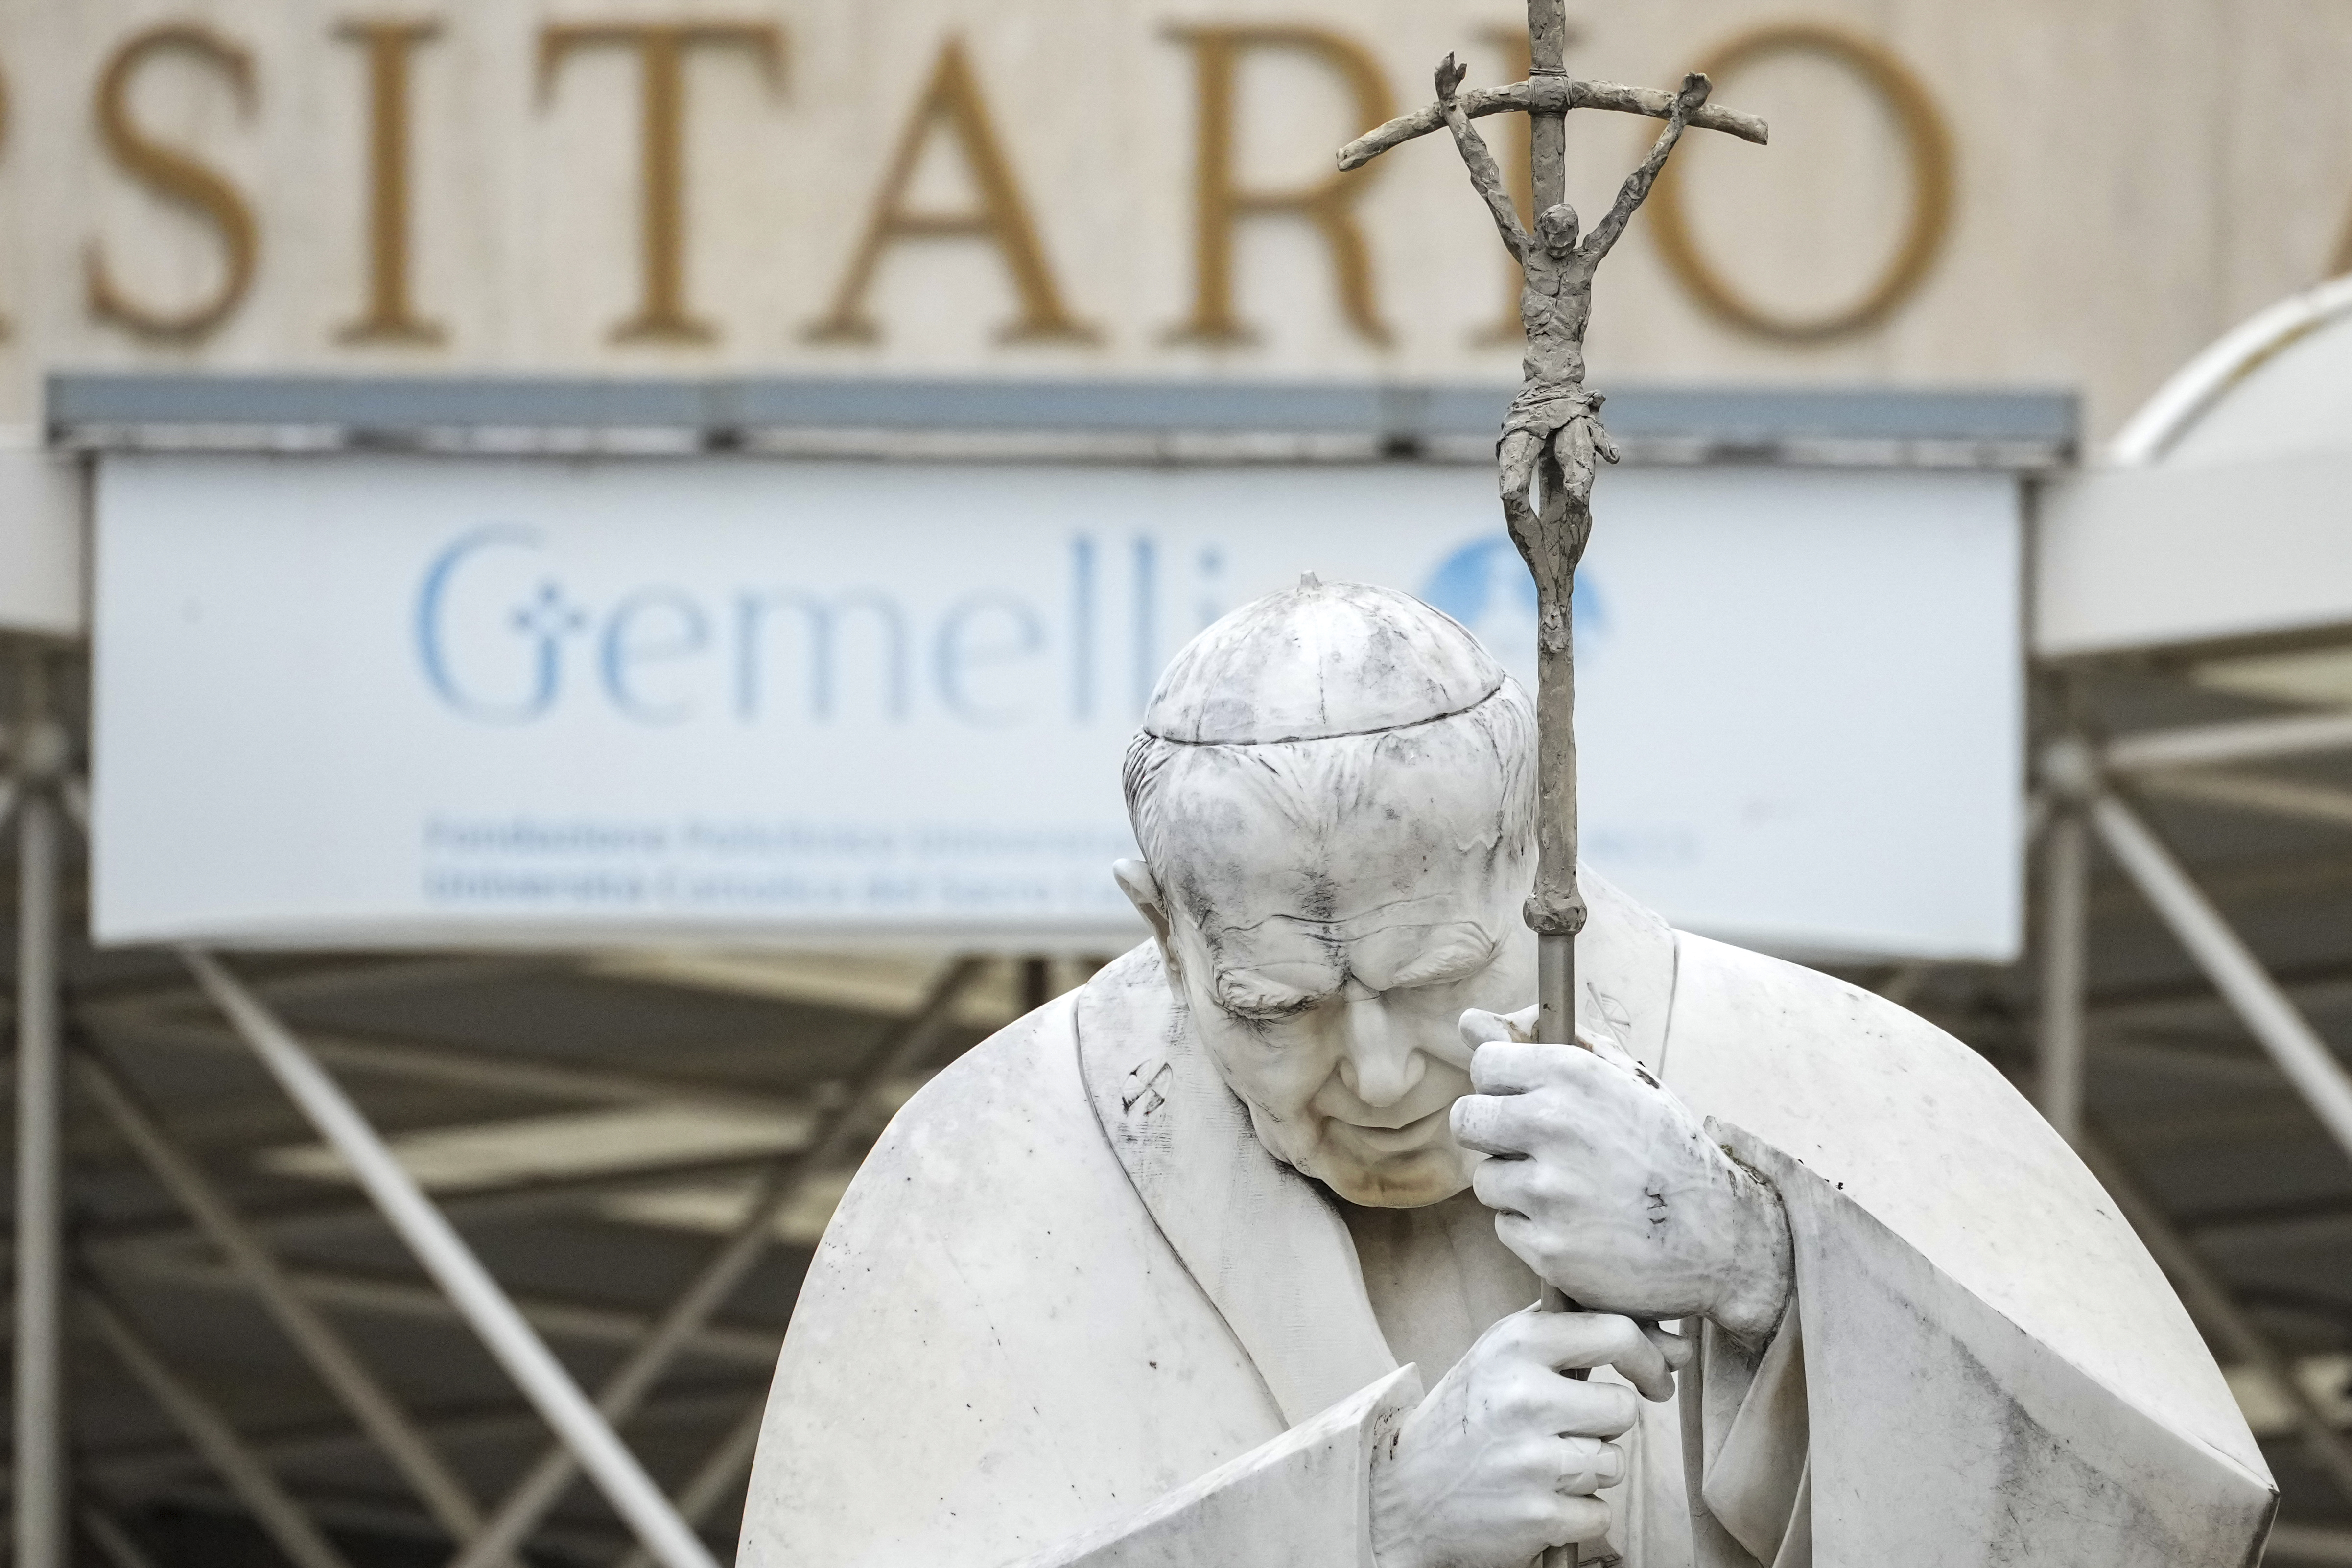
(1147, 624)
(1082, 629)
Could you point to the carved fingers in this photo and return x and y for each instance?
(1506, 1065)
(1478, 1026)
(1645, 1355)
(1607, 1187)
(1503, 1458)
(1449, 76)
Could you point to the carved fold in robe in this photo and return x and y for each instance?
(1071, 1311)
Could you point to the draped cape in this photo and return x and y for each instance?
(1071, 1311)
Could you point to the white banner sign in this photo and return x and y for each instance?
(418, 700)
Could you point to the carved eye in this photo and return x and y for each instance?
(1270, 991)
(1260, 1008)
(1456, 956)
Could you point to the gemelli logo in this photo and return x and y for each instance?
(1485, 586)
(504, 635)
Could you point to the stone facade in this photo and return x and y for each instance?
(947, 186)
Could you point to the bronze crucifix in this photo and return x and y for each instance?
(1552, 439)
(1552, 435)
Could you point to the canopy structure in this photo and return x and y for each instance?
(2219, 515)
(639, 1144)
(2192, 640)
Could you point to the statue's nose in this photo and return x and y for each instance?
(1380, 1065)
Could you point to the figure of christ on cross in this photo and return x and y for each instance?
(1553, 412)
(1552, 435)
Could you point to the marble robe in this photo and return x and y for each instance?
(1071, 1311)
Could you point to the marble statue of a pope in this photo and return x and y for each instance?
(1229, 1257)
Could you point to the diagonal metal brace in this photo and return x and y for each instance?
(279, 1516)
(544, 1485)
(2273, 1020)
(469, 1287)
(329, 1355)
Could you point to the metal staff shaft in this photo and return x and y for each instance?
(1551, 522)
(1555, 661)
(1555, 657)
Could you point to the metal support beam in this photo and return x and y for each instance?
(337, 1364)
(1902, 983)
(544, 1487)
(2256, 998)
(2065, 877)
(73, 793)
(456, 1067)
(2194, 1005)
(721, 1470)
(339, 976)
(2305, 1543)
(273, 1508)
(2293, 798)
(401, 1534)
(42, 1537)
(522, 1200)
(736, 1344)
(2211, 1303)
(2241, 740)
(147, 1468)
(114, 1541)
(452, 1265)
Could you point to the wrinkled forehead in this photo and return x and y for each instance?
(1358, 862)
(1286, 958)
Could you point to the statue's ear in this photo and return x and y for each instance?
(1142, 890)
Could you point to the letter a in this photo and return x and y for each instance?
(952, 99)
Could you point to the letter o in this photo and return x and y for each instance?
(1925, 135)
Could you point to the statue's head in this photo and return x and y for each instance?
(1556, 225)
(1334, 793)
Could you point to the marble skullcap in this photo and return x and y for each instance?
(1318, 661)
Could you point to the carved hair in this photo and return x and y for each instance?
(1318, 783)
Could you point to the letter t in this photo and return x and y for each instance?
(662, 315)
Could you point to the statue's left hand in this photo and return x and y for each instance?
(1606, 1185)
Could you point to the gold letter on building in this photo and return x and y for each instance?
(176, 176)
(661, 313)
(952, 101)
(391, 317)
(1219, 205)
(1926, 137)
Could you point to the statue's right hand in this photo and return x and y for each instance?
(1502, 1458)
(1449, 76)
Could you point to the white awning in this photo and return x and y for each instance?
(2223, 511)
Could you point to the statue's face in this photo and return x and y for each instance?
(1557, 225)
(1325, 967)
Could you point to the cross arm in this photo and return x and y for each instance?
(1555, 95)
